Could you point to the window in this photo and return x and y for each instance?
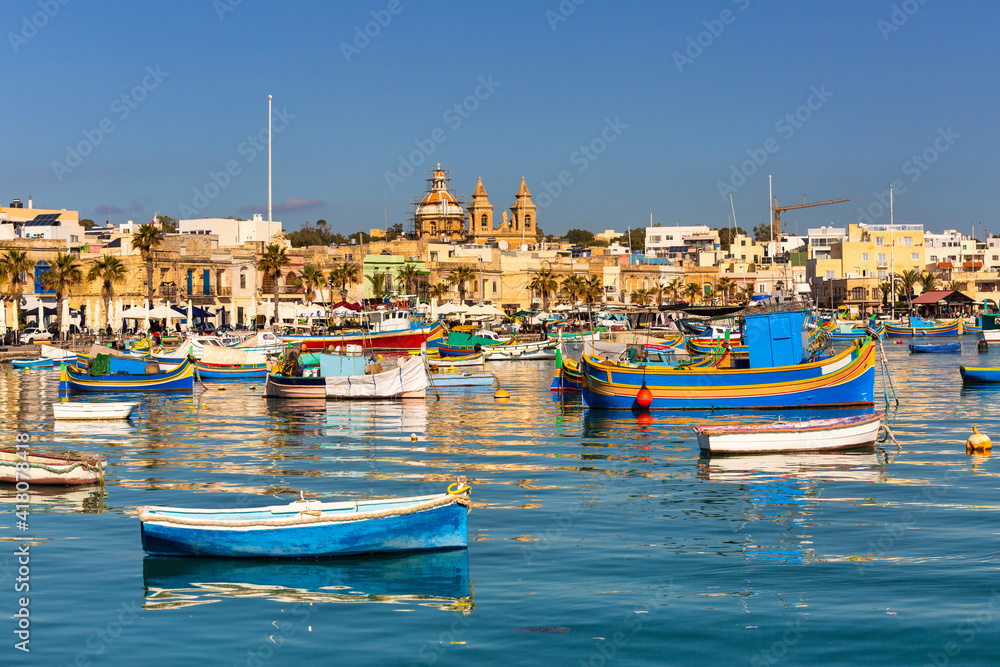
(527, 222)
(915, 256)
(881, 259)
(864, 257)
(829, 275)
(494, 287)
(483, 223)
(880, 241)
(907, 240)
(243, 282)
(882, 275)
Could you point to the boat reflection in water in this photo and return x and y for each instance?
(435, 578)
(758, 468)
(86, 499)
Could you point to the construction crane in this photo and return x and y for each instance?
(778, 209)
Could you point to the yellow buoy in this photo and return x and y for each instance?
(413, 437)
(501, 395)
(978, 442)
(222, 388)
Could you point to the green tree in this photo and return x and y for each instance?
(87, 223)
(762, 233)
(642, 297)
(394, 232)
(544, 282)
(956, 285)
(635, 239)
(14, 269)
(592, 291)
(572, 286)
(928, 282)
(438, 292)
(409, 275)
(311, 280)
(458, 277)
(271, 262)
(167, 224)
(109, 270)
(675, 288)
(746, 294)
(146, 239)
(378, 285)
(62, 275)
(907, 281)
(725, 288)
(692, 291)
(344, 274)
(726, 236)
(580, 237)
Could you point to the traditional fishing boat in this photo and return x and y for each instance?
(35, 362)
(263, 342)
(848, 332)
(918, 326)
(113, 361)
(104, 410)
(434, 358)
(932, 347)
(310, 528)
(177, 379)
(230, 364)
(382, 330)
(343, 376)
(463, 379)
(494, 347)
(854, 432)
(49, 469)
(779, 375)
(979, 374)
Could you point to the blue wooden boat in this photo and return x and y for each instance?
(175, 379)
(973, 374)
(310, 528)
(37, 362)
(779, 375)
(235, 372)
(421, 577)
(846, 333)
(463, 379)
(932, 347)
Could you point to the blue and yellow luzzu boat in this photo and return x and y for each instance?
(917, 326)
(777, 377)
(980, 374)
(231, 372)
(79, 379)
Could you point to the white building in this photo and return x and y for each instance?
(680, 241)
(943, 247)
(820, 239)
(232, 232)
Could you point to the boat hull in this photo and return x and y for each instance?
(897, 331)
(406, 381)
(240, 372)
(445, 380)
(407, 339)
(442, 527)
(40, 362)
(973, 374)
(847, 379)
(178, 379)
(49, 470)
(928, 348)
(855, 432)
(93, 410)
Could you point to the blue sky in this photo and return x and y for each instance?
(639, 108)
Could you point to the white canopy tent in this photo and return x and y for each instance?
(485, 309)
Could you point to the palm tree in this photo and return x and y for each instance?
(146, 239)
(109, 270)
(928, 282)
(311, 280)
(691, 291)
(642, 297)
(65, 273)
(14, 268)
(885, 289)
(409, 275)
(709, 293)
(957, 285)
(572, 286)
(725, 288)
(544, 282)
(458, 277)
(343, 275)
(907, 280)
(675, 287)
(591, 289)
(746, 294)
(271, 262)
(378, 284)
(438, 292)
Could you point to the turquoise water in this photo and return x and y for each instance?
(596, 538)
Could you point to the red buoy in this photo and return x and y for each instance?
(645, 397)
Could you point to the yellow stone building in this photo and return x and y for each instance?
(439, 215)
(874, 251)
(520, 228)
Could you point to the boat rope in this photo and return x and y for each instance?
(311, 515)
(90, 465)
(885, 433)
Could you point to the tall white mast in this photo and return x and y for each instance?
(770, 204)
(892, 253)
(269, 169)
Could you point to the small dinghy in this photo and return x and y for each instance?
(812, 435)
(119, 410)
(465, 379)
(37, 362)
(49, 469)
(931, 347)
(972, 374)
(307, 528)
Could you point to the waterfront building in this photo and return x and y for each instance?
(439, 215)
(695, 242)
(231, 232)
(18, 222)
(520, 228)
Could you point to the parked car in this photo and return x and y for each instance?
(31, 335)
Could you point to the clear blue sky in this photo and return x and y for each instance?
(678, 127)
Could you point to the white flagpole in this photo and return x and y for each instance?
(268, 167)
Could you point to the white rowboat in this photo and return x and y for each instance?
(93, 410)
(855, 432)
(45, 469)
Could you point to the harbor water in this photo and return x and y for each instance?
(596, 538)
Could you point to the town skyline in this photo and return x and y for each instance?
(611, 114)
